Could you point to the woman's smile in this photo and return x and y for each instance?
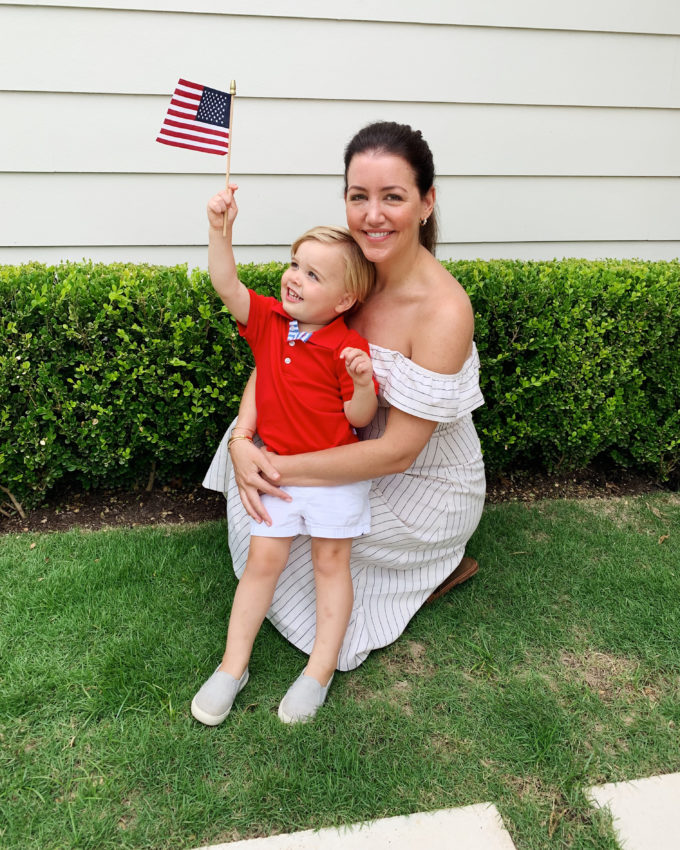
(378, 234)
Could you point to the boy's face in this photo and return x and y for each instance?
(313, 286)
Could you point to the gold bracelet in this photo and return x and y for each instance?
(235, 437)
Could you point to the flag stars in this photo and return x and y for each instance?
(214, 107)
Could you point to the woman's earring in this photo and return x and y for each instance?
(423, 221)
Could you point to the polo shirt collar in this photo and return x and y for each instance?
(330, 336)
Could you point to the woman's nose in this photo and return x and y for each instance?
(374, 211)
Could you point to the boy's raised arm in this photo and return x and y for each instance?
(221, 263)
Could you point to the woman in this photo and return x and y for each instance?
(421, 450)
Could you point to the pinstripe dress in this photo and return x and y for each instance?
(420, 519)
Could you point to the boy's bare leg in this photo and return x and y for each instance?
(334, 599)
(267, 559)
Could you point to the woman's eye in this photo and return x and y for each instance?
(393, 197)
(357, 196)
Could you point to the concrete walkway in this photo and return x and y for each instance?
(646, 816)
(469, 828)
(645, 812)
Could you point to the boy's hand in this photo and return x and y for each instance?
(360, 409)
(358, 365)
(221, 203)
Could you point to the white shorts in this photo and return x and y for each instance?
(338, 512)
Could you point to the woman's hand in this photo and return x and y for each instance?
(255, 474)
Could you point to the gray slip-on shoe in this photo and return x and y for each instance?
(302, 699)
(214, 700)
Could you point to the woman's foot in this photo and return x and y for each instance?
(465, 570)
(302, 700)
(214, 700)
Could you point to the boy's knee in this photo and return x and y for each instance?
(267, 558)
(327, 566)
(331, 556)
(262, 569)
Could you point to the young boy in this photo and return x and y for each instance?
(314, 386)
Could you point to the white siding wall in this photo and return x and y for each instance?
(555, 126)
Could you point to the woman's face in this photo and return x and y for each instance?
(383, 205)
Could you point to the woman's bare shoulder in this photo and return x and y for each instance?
(443, 339)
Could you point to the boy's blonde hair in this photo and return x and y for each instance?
(359, 272)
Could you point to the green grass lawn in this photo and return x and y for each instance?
(557, 667)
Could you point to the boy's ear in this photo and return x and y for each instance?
(345, 303)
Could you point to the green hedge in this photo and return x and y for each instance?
(580, 360)
(111, 372)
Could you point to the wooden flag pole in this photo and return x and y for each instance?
(232, 92)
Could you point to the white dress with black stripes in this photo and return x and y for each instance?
(420, 519)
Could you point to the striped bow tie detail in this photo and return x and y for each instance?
(295, 333)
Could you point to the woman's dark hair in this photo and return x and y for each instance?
(400, 140)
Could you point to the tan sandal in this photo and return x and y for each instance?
(465, 570)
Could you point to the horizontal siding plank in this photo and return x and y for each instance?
(196, 256)
(652, 16)
(57, 49)
(170, 210)
(63, 133)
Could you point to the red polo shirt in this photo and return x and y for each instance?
(301, 386)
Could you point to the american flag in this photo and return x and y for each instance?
(197, 118)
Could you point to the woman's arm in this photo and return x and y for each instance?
(250, 463)
(247, 409)
(404, 438)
